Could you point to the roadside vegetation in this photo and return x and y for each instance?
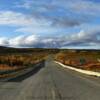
(14, 63)
(12, 60)
(83, 59)
(17, 61)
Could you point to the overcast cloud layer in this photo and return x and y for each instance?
(50, 23)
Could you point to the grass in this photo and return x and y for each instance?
(84, 59)
(12, 59)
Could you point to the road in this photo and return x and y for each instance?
(52, 82)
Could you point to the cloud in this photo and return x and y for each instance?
(26, 4)
(83, 39)
(36, 23)
(3, 41)
(31, 41)
(60, 13)
(12, 18)
(82, 7)
(23, 41)
(66, 22)
(50, 17)
(24, 23)
(87, 7)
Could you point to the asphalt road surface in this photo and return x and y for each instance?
(51, 82)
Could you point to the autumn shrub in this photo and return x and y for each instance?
(84, 60)
(21, 60)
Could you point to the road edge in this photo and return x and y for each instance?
(79, 70)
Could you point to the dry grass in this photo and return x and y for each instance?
(85, 59)
(12, 62)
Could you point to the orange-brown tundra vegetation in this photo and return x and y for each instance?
(15, 60)
(88, 60)
(9, 62)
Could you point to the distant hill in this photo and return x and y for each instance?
(30, 50)
(25, 50)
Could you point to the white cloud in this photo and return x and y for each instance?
(22, 41)
(30, 41)
(17, 41)
(82, 39)
(26, 23)
(3, 41)
(14, 19)
(77, 36)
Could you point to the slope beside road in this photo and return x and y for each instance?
(52, 82)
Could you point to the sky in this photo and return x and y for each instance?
(73, 24)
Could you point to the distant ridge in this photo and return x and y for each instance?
(4, 49)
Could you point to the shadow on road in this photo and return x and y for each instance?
(28, 74)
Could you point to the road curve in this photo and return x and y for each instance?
(52, 82)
